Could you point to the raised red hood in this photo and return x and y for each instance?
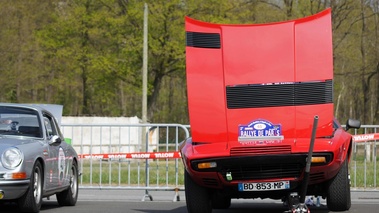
(247, 81)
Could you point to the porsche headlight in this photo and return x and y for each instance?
(11, 158)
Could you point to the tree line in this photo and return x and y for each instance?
(87, 54)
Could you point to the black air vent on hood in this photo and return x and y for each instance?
(203, 40)
(279, 94)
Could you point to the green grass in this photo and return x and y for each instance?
(131, 173)
(364, 173)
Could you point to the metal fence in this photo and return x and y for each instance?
(363, 164)
(135, 156)
(146, 157)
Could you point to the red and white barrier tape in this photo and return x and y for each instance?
(137, 155)
(365, 137)
(176, 154)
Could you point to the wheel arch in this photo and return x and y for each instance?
(43, 165)
(78, 167)
(349, 150)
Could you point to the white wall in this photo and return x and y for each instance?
(109, 137)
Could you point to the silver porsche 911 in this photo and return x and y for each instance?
(35, 160)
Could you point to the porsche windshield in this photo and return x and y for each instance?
(19, 121)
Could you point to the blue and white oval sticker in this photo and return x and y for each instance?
(259, 126)
(260, 129)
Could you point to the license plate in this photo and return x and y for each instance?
(264, 186)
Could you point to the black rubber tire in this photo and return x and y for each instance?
(220, 202)
(198, 198)
(69, 196)
(31, 201)
(338, 196)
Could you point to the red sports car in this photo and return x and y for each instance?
(254, 92)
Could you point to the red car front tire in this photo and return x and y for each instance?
(338, 197)
(198, 198)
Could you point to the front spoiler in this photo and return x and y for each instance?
(14, 189)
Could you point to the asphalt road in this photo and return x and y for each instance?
(130, 201)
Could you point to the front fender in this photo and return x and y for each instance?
(32, 152)
(343, 141)
(186, 150)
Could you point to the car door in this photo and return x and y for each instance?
(57, 165)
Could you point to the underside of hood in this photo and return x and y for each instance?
(267, 80)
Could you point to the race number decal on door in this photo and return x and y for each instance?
(61, 164)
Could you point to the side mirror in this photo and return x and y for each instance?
(352, 123)
(55, 139)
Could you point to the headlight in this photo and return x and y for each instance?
(11, 158)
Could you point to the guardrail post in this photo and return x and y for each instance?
(177, 196)
(147, 176)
